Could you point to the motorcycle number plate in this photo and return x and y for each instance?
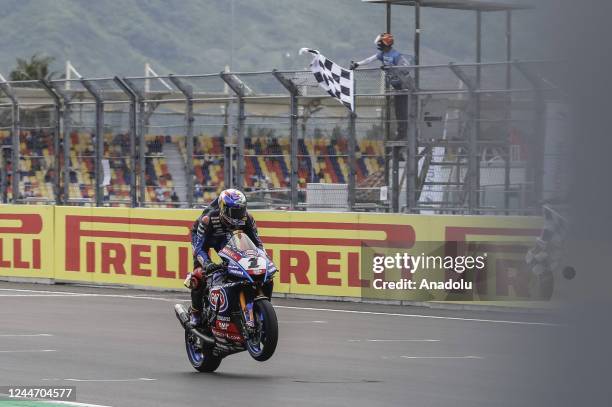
(253, 264)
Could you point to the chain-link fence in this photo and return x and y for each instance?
(471, 138)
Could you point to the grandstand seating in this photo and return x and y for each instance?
(267, 164)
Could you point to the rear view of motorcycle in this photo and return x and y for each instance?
(238, 314)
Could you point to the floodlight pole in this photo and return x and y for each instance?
(140, 133)
(237, 86)
(8, 91)
(133, 129)
(187, 90)
(99, 147)
(57, 110)
(293, 134)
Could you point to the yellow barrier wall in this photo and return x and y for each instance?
(317, 253)
(147, 247)
(321, 253)
(26, 241)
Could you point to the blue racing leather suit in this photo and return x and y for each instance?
(210, 232)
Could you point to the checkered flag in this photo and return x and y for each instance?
(336, 80)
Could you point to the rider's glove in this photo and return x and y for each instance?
(353, 65)
(193, 279)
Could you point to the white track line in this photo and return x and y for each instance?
(41, 295)
(390, 314)
(66, 403)
(441, 357)
(393, 340)
(139, 379)
(73, 403)
(417, 316)
(77, 294)
(22, 335)
(27, 350)
(17, 290)
(302, 322)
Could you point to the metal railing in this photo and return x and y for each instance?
(456, 138)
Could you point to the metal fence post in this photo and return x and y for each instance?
(66, 125)
(293, 134)
(412, 151)
(99, 146)
(238, 87)
(352, 162)
(187, 90)
(3, 176)
(6, 88)
(133, 129)
(56, 137)
(139, 153)
(473, 162)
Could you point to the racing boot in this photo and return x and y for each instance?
(195, 318)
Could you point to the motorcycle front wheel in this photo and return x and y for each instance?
(261, 347)
(201, 359)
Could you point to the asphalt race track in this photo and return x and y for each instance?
(125, 348)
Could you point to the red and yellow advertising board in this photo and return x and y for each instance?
(144, 247)
(26, 241)
(321, 253)
(316, 253)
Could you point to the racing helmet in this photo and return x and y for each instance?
(232, 207)
(383, 40)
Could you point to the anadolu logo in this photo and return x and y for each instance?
(218, 299)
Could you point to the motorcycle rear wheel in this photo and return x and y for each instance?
(262, 348)
(201, 359)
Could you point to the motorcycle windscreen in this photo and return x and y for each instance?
(241, 242)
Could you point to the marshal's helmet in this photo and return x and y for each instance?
(383, 40)
(232, 207)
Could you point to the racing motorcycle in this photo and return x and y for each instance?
(238, 314)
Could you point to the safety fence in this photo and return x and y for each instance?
(322, 254)
(458, 138)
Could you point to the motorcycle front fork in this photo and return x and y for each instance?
(247, 311)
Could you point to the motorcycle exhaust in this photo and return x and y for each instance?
(183, 316)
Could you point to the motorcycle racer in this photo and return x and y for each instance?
(213, 229)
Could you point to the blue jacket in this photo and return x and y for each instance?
(393, 58)
(210, 232)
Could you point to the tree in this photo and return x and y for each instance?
(37, 67)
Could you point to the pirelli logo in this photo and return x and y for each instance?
(142, 250)
(316, 253)
(328, 253)
(340, 234)
(306, 252)
(508, 272)
(20, 241)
